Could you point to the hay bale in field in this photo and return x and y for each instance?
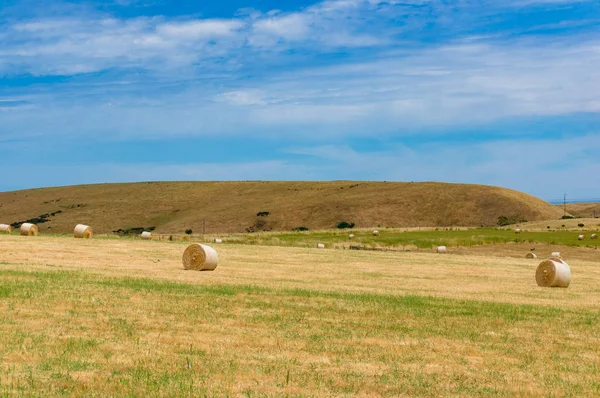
(351, 236)
(555, 254)
(581, 237)
(83, 231)
(218, 240)
(517, 230)
(594, 236)
(146, 235)
(530, 255)
(553, 272)
(28, 229)
(320, 246)
(442, 249)
(198, 257)
(375, 233)
(5, 229)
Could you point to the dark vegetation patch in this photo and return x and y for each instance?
(345, 225)
(36, 220)
(262, 214)
(299, 229)
(503, 220)
(133, 231)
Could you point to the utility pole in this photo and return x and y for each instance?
(203, 226)
(565, 205)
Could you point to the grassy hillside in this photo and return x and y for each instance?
(173, 207)
(583, 210)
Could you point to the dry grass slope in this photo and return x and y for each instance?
(583, 210)
(173, 207)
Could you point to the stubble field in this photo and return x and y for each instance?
(122, 318)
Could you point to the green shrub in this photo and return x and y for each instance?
(299, 229)
(188, 231)
(345, 225)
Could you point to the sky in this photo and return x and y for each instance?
(496, 92)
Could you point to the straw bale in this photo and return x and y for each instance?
(83, 231)
(28, 229)
(581, 237)
(442, 249)
(530, 255)
(320, 246)
(218, 240)
(594, 236)
(146, 235)
(553, 272)
(375, 233)
(5, 229)
(351, 236)
(517, 230)
(199, 257)
(555, 254)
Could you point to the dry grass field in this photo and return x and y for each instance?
(109, 317)
(220, 207)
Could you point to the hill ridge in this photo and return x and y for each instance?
(233, 206)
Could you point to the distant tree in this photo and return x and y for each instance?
(344, 225)
(188, 231)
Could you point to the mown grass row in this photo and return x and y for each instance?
(71, 333)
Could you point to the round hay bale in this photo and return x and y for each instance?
(581, 237)
(351, 236)
(442, 249)
(320, 246)
(83, 231)
(28, 229)
(517, 230)
(594, 236)
(146, 235)
(198, 257)
(5, 229)
(530, 255)
(218, 240)
(553, 272)
(555, 254)
(375, 233)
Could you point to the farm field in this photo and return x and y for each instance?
(427, 239)
(122, 317)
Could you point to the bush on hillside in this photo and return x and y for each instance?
(345, 225)
(188, 231)
(503, 220)
(299, 229)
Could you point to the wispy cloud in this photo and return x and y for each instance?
(329, 72)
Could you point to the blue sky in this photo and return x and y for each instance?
(478, 91)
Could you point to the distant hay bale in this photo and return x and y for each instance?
(442, 249)
(83, 231)
(530, 255)
(320, 246)
(581, 237)
(594, 236)
(555, 254)
(5, 229)
(375, 233)
(517, 230)
(146, 235)
(198, 257)
(28, 229)
(553, 272)
(218, 240)
(351, 236)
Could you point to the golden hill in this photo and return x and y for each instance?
(173, 207)
(583, 210)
